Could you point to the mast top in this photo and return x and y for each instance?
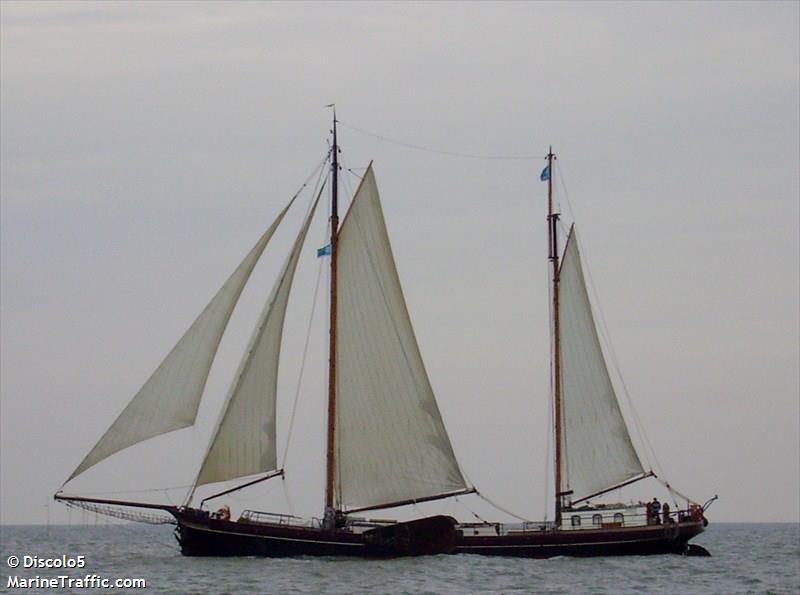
(334, 170)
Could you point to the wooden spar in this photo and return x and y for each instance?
(552, 227)
(66, 498)
(278, 473)
(330, 457)
(415, 501)
(617, 486)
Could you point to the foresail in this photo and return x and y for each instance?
(391, 443)
(244, 442)
(596, 445)
(170, 398)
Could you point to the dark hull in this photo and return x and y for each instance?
(622, 541)
(200, 536)
(219, 538)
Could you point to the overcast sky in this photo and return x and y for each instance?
(146, 146)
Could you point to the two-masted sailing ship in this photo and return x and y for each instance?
(386, 445)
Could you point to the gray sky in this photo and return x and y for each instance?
(146, 146)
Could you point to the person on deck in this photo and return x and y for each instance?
(665, 510)
(655, 506)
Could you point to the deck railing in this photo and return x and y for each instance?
(605, 518)
(589, 518)
(270, 518)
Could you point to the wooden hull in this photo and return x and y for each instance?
(202, 536)
(623, 541)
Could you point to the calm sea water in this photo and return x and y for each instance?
(747, 558)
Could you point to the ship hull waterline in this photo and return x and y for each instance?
(204, 536)
(428, 536)
(622, 541)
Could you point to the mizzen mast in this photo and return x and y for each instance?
(330, 506)
(552, 229)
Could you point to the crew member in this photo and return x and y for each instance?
(655, 506)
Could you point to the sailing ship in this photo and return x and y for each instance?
(386, 443)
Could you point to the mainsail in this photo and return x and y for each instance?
(244, 440)
(596, 446)
(170, 398)
(391, 444)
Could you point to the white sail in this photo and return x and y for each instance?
(597, 451)
(171, 396)
(244, 440)
(391, 444)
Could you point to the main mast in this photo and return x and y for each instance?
(552, 228)
(330, 508)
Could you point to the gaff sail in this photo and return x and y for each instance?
(391, 443)
(597, 451)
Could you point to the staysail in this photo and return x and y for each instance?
(244, 440)
(391, 444)
(596, 445)
(170, 398)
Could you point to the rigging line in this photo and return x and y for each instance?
(566, 194)
(617, 368)
(563, 447)
(308, 331)
(673, 491)
(242, 496)
(316, 169)
(303, 360)
(438, 151)
(286, 495)
(140, 491)
(564, 460)
(550, 460)
(305, 183)
(466, 477)
(403, 349)
(313, 201)
(502, 509)
(352, 171)
(643, 438)
(317, 192)
(473, 513)
(338, 458)
(346, 180)
(321, 177)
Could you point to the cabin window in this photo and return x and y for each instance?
(597, 520)
(619, 518)
(576, 520)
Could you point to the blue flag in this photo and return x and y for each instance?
(324, 251)
(545, 175)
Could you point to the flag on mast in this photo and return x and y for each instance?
(545, 175)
